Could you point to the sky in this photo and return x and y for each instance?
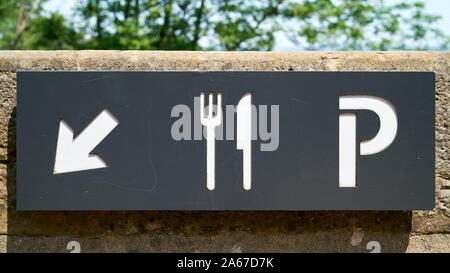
(435, 7)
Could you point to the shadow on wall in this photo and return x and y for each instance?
(199, 231)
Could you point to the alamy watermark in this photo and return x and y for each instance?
(188, 125)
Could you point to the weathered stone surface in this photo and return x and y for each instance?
(3, 188)
(176, 231)
(186, 223)
(437, 220)
(227, 242)
(443, 195)
(3, 243)
(433, 243)
(239, 242)
(3, 199)
(7, 104)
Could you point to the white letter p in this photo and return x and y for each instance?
(347, 133)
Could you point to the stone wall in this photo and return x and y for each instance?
(224, 231)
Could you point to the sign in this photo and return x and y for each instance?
(225, 140)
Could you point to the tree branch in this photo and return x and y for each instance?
(22, 23)
(270, 11)
(199, 15)
(166, 24)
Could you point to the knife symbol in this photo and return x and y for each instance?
(244, 137)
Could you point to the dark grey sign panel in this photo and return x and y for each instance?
(278, 141)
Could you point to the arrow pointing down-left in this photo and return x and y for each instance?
(73, 154)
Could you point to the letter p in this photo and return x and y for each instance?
(347, 133)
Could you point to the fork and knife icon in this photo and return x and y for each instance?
(243, 135)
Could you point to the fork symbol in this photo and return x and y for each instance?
(210, 122)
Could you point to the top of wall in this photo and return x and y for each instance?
(225, 61)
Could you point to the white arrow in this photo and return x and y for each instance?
(73, 154)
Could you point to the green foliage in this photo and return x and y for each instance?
(362, 25)
(241, 26)
(9, 12)
(226, 25)
(51, 33)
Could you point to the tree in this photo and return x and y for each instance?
(15, 18)
(223, 25)
(52, 32)
(242, 26)
(140, 24)
(9, 12)
(251, 25)
(362, 25)
(23, 19)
